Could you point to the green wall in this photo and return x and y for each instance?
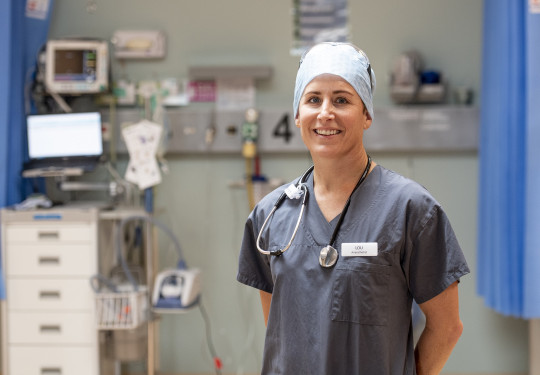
(196, 199)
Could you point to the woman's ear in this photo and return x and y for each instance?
(367, 120)
(297, 122)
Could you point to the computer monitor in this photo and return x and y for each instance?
(77, 66)
(67, 144)
(64, 135)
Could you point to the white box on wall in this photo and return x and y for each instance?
(139, 44)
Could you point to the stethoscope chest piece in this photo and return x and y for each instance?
(328, 257)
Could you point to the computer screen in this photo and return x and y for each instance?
(64, 135)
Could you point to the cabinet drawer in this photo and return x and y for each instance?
(57, 360)
(49, 294)
(51, 328)
(46, 234)
(50, 260)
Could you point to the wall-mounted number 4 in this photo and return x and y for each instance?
(283, 129)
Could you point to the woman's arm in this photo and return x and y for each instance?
(442, 331)
(266, 298)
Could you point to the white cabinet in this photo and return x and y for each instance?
(48, 317)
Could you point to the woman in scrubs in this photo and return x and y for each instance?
(393, 244)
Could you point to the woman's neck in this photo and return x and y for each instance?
(339, 175)
(334, 182)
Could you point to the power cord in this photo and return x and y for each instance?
(218, 365)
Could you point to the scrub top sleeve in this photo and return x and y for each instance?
(253, 267)
(436, 259)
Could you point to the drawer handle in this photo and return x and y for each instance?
(51, 371)
(48, 235)
(49, 294)
(50, 329)
(49, 260)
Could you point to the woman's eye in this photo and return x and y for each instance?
(313, 100)
(341, 101)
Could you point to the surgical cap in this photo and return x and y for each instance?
(342, 59)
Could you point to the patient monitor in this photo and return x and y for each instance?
(77, 66)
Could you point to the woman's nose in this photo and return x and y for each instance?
(326, 111)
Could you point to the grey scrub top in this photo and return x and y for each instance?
(354, 318)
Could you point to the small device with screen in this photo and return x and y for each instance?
(76, 66)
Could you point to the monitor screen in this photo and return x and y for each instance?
(64, 135)
(77, 66)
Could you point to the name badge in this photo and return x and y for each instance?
(359, 249)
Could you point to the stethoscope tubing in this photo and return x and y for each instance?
(325, 250)
(279, 201)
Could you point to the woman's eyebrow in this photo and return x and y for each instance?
(342, 92)
(316, 92)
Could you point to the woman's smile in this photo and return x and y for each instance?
(327, 132)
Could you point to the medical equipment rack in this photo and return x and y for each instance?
(139, 301)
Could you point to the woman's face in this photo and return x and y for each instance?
(332, 118)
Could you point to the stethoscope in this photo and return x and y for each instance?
(328, 255)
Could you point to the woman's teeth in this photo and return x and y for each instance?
(326, 132)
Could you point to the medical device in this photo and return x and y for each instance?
(180, 288)
(410, 83)
(176, 289)
(405, 78)
(328, 255)
(75, 66)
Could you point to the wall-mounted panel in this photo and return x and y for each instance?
(396, 129)
(424, 128)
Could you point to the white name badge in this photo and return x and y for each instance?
(359, 249)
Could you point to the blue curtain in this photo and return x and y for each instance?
(11, 84)
(509, 193)
(531, 306)
(22, 33)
